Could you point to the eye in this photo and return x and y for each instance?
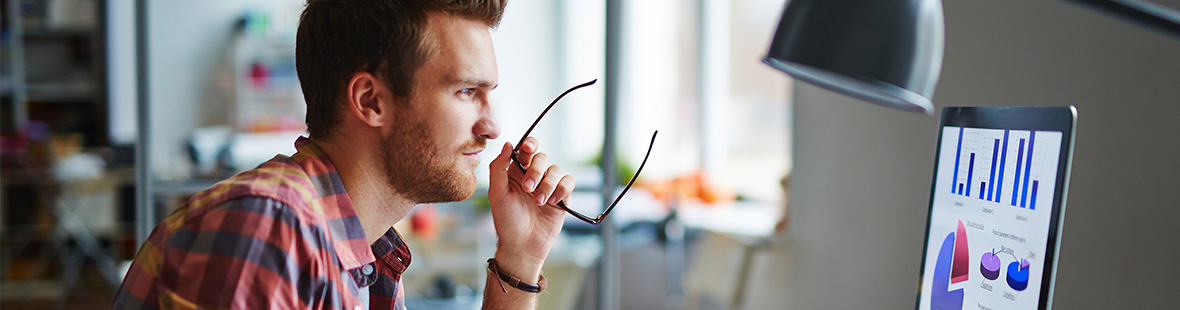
(466, 92)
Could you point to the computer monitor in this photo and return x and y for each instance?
(996, 208)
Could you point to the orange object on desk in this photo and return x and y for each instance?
(696, 185)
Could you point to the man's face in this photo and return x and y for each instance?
(431, 150)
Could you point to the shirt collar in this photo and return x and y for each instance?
(393, 251)
(347, 233)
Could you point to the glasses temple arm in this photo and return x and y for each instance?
(636, 176)
(595, 221)
(580, 216)
(534, 125)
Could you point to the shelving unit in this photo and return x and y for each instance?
(53, 88)
(54, 70)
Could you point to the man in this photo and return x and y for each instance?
(398, 110)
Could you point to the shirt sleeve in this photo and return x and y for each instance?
(248, 253)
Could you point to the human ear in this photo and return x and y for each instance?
(364, 98)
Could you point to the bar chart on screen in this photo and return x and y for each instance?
(993, 196)
(1006, 167)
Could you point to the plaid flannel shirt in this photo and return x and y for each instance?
(282, 236)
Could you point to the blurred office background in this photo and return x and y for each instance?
(222, 96)
(706, 228)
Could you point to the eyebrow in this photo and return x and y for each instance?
(477, 83)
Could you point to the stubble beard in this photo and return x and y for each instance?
(418, 168)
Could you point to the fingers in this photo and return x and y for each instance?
(564, 188)
(546, 184)
(535, 172)
(545, 189)
(527, 149)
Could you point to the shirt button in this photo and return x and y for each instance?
(367, 269)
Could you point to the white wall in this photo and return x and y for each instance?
(527, 57)
(185, 39)
(862, 173)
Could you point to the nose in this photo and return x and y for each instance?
(487, 127)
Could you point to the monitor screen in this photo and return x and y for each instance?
(991, 235)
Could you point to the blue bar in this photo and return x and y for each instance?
(1033, 204)
(992, 176)
(958, 153)
(1027, 167)
(1016, 180)
(970, 171)
(1003, 159)
(982, 185)
(960, 188)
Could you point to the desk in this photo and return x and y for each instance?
(738, 219)
(749, 224)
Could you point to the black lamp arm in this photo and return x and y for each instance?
(1145, 13)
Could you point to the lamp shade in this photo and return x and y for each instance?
(887, 52)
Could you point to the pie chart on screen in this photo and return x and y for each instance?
(952, 266)
(989, 265)
(961, 264)
(1018, 275)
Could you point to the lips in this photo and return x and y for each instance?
(473, 155)
(473, 148)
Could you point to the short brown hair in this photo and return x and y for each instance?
(338, 38)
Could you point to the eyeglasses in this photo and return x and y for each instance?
(561, 204)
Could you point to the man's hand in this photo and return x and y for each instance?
(524, 208)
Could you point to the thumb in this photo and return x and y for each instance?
(499, 167)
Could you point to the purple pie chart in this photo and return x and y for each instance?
(989, 265)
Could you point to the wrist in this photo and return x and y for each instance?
(521, 265)
(505, 279)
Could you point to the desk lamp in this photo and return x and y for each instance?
(887, 52)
